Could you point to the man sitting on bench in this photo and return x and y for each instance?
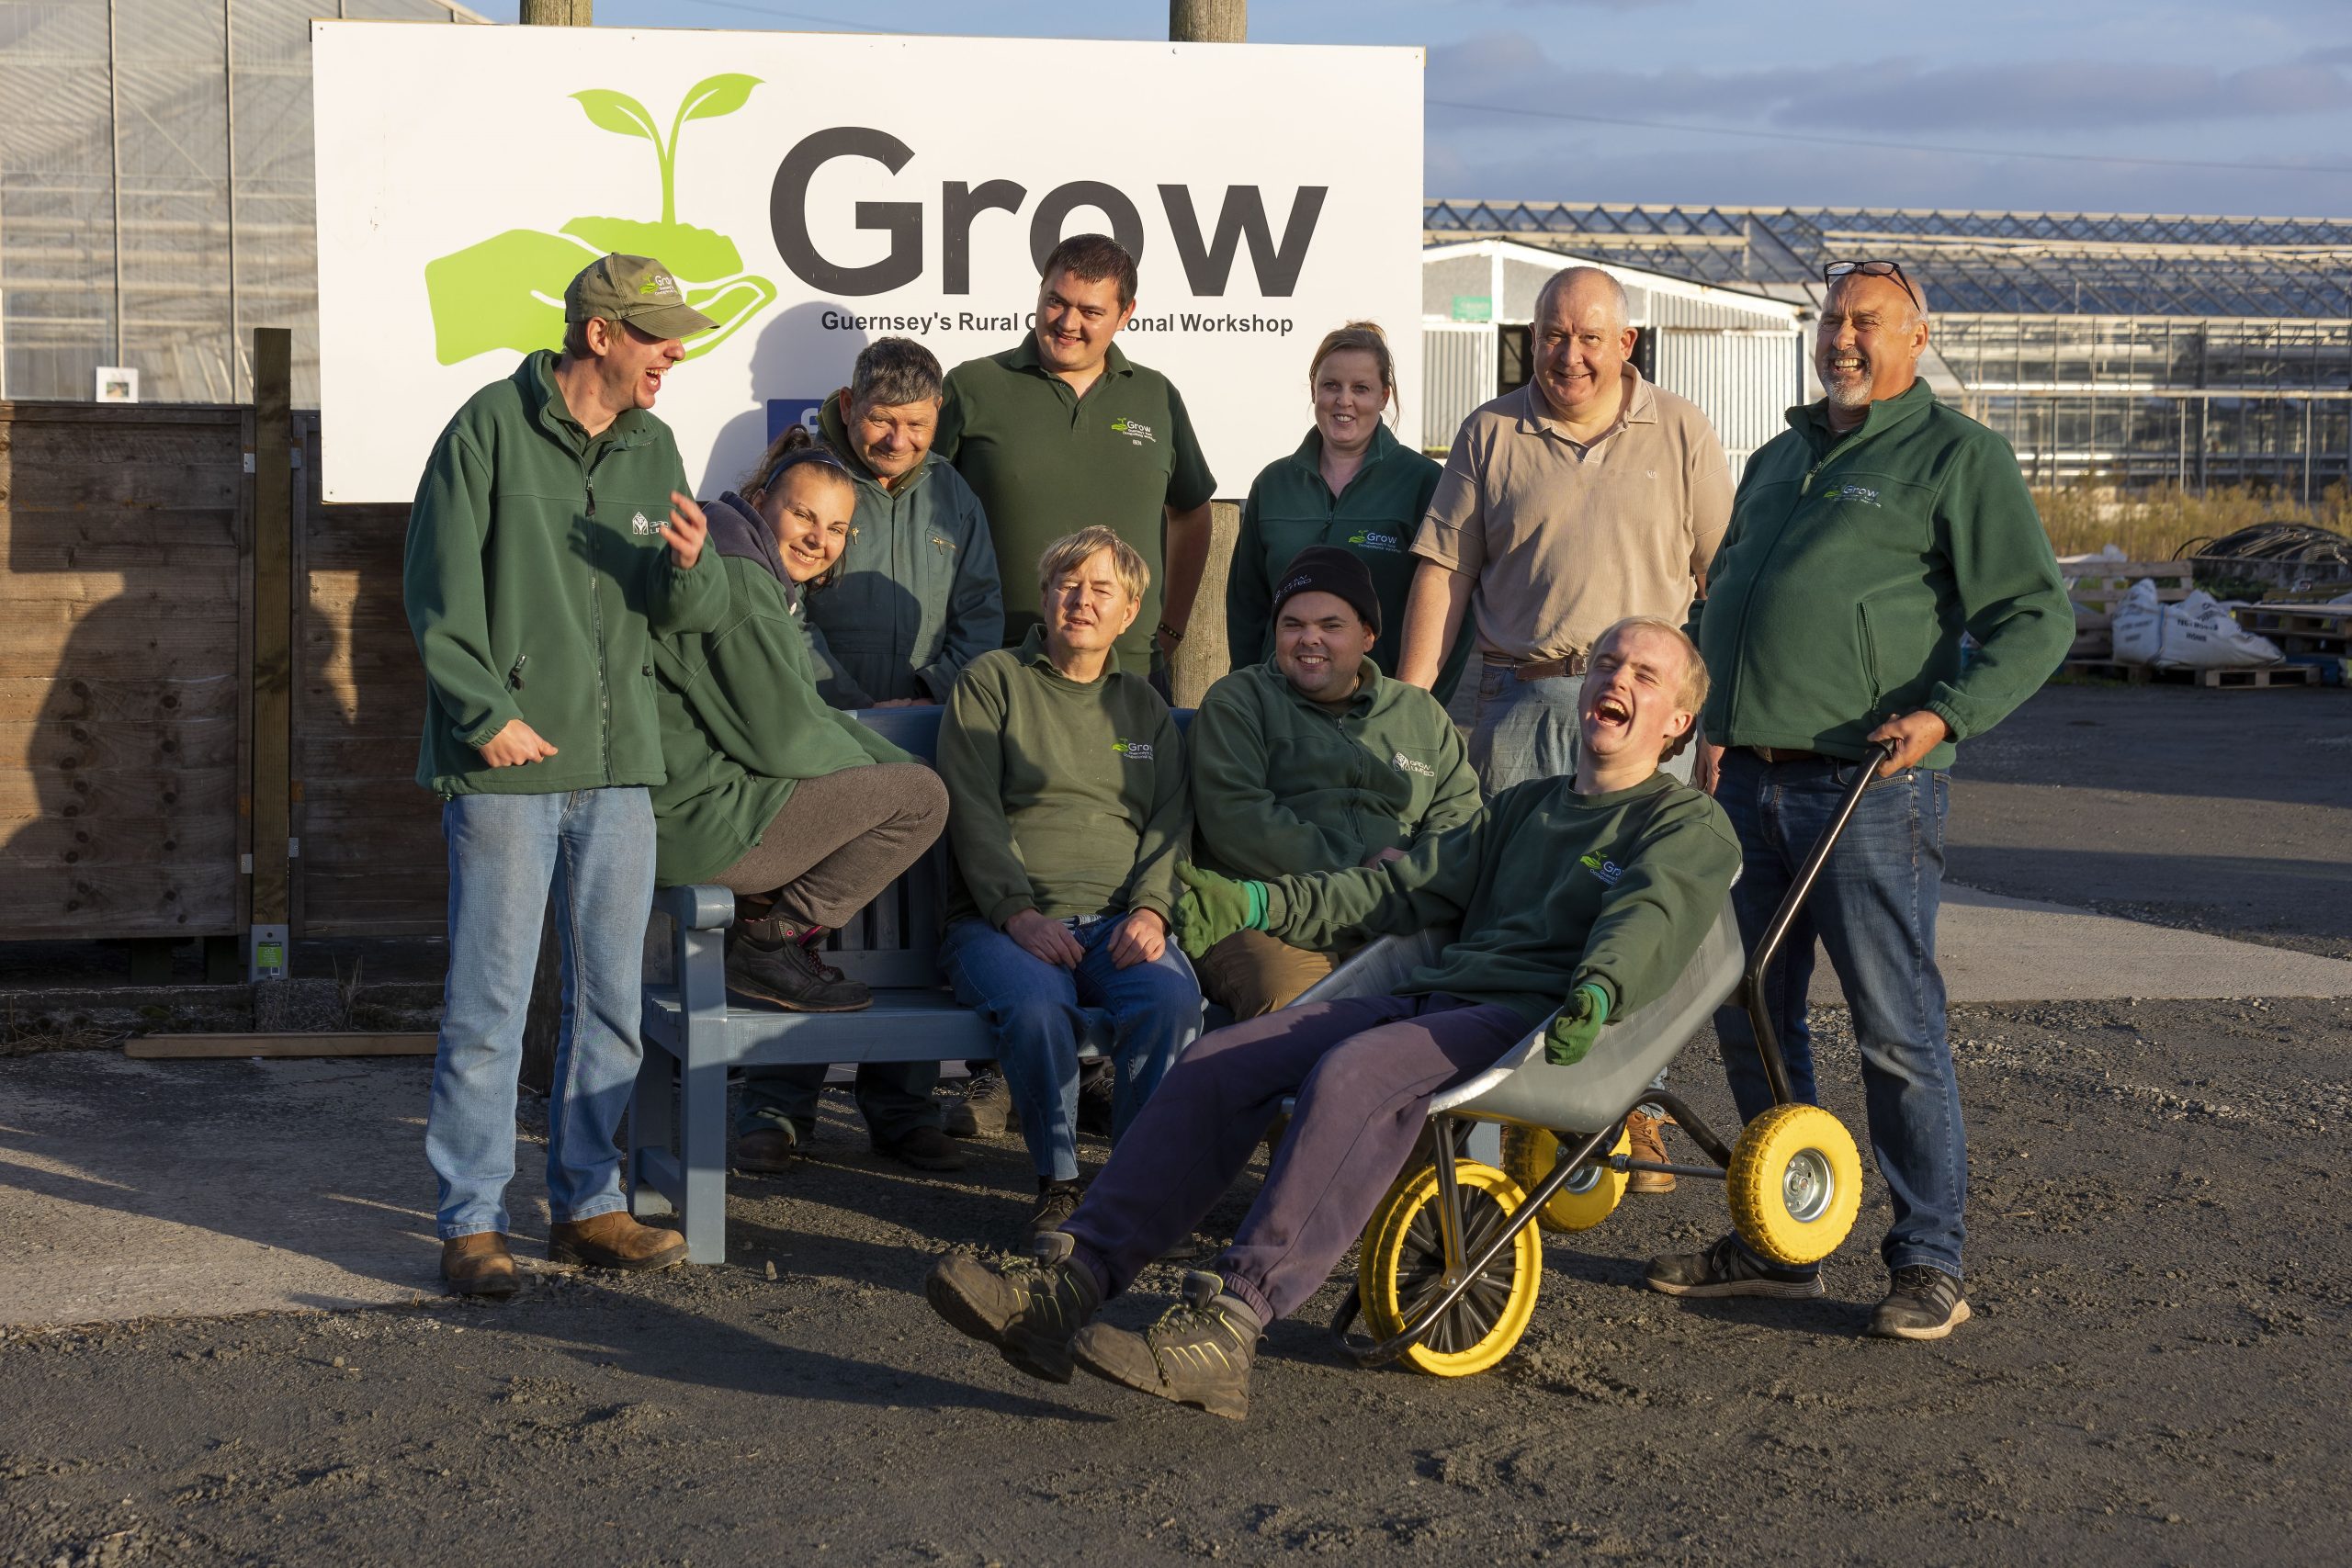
(1585, 893)
(1315, 761)
(1071, 813)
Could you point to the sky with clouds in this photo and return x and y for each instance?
(2101, 105)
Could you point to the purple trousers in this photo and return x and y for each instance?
(1364, 1071)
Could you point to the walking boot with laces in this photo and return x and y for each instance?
(1197, 1354)
(480, 1264)
(1644, 1142)
(1027, 1308)
(767, 960)
(615, 1241)
(1922, 1303)
(1728, 1268)
(986, 1110)
(1056, 1201)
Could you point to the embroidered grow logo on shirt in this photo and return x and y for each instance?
(1609, 871)
(1369, 539)
(1135, 430)
(1133, 751)
(1863, 493)
(1410, 765)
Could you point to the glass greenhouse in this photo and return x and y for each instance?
(155, 191)
(2126, 349)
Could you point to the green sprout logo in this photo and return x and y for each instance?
(507, 291)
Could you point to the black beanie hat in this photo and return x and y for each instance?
(1327, 568)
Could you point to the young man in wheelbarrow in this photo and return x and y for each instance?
(1583, 895)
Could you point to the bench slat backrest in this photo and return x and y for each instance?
(894, 942)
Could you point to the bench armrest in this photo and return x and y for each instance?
(704, 907)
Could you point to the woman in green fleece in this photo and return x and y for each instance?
(1351, 484)
(802, 811)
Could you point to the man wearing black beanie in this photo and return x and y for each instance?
(1315, 761)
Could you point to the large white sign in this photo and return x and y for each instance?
(818, 191)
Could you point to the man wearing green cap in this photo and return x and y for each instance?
(551, 536)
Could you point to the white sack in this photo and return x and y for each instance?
(2198, 633)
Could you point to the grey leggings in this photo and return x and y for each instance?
(841, 840)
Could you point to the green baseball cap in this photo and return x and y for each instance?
(636, 289)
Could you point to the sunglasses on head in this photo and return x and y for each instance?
(1837, 269)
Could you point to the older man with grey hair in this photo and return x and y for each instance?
(915, 597)
(1584, 497)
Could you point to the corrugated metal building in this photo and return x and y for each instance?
(155, 190)
(1740, 357)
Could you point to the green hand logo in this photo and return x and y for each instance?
(507, 291)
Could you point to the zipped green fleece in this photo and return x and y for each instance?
(1291, 507)
(535, 578)
(741, 723)
(1551, 888)
(1068, 798)
(1853, 568)
(1283, 786)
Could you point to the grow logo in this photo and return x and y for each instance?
(507, 291)
(1609, 871)
(1374, 539)
(1135, 430)
(1133, 751)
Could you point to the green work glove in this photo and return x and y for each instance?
(1571, 1033)
(1212, 908)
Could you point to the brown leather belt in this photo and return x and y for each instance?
(1787, 754)
(1539, 668)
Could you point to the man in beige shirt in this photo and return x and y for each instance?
(1585, 496)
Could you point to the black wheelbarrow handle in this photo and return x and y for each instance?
(1767, 1043)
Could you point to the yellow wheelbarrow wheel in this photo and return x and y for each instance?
(1402, 1265)
(1795, 1184)
(1583, 1200)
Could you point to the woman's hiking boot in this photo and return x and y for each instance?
(766, 959)
(986, 1108)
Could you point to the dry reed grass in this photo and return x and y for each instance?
(2153, 525)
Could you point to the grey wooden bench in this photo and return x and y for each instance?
(678, 1121)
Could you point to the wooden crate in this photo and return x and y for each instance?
(125, 669)
(2100, 584)
(2258, 677)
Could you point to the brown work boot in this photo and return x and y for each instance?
(1642, 1133)
(480, 1264)
(766, 1150)
(615, 1241)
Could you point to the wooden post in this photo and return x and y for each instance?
(270, 784)
(1204, 655)
(555, 13)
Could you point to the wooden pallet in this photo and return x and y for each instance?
(2108, 670)
(2100, 584)
(2252, 678)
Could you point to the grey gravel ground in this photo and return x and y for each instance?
(2156, 1372)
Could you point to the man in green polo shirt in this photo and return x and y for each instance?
(1063, 431)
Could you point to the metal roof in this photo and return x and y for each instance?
(2070, 264)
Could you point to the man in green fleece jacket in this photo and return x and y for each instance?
(551, 539)
(1315, 761)
(1866, 543)
(914, 598)
(1070, 812)
(1579, 898)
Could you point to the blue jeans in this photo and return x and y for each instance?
(1039, 1011)
(1527, 730)
(595, 846)
(1874, 912)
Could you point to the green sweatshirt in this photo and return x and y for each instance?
(1283, 786)
(1373, 519)
(1069, 799)
(535, 578)
(1853, 568)
(1551, 888)
(741, 723)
